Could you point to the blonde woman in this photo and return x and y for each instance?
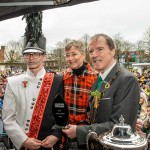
(143, 106)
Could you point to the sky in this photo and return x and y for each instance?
(129, 18)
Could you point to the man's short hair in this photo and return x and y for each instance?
(108, 39)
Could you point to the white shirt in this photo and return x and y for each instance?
(104, 75)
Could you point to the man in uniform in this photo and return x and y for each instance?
(27, 113)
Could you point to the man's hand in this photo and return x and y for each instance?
(32, 144)
(139, 124)
(70, 131)
(49, 141)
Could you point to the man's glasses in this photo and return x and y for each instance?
(33, 55)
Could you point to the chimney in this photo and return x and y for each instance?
(2, 47)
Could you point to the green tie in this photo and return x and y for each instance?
(100, 81)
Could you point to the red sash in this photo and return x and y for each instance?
(40, 105)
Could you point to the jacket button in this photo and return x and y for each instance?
(32, 103)
(33, 99)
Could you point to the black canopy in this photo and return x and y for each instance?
(14, 8)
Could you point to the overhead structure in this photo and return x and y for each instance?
(14, 8)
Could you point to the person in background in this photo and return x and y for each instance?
(143, 113)
(146, 124)
(143, 107)
(27, 113)
(78, 80)
(147, 89)
(118, 92)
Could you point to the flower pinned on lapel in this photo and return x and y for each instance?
(25, 83)
(97, 95)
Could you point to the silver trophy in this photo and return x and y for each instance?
(120, 138)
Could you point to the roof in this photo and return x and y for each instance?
(14, 8)
(141, 64)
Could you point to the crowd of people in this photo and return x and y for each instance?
(96, 96)
(143, 121)
(144, 79)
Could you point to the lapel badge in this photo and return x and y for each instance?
(25, 83)
(107, 85)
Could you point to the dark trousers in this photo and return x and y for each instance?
(72, 144)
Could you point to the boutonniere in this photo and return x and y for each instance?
(25, 83)
(97, 96)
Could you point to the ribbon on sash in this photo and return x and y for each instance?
(40, 105)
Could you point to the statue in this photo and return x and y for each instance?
(33, 37)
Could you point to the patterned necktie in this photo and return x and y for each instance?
(100, 81)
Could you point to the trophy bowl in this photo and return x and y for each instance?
(120, 138)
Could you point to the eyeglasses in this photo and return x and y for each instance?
(72, 55)
(33, 55)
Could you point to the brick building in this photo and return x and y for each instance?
(2, 49)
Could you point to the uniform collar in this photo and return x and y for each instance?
(40, 74)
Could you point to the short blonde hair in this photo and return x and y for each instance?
(76, 43)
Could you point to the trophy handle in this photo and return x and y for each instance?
(92, 141)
